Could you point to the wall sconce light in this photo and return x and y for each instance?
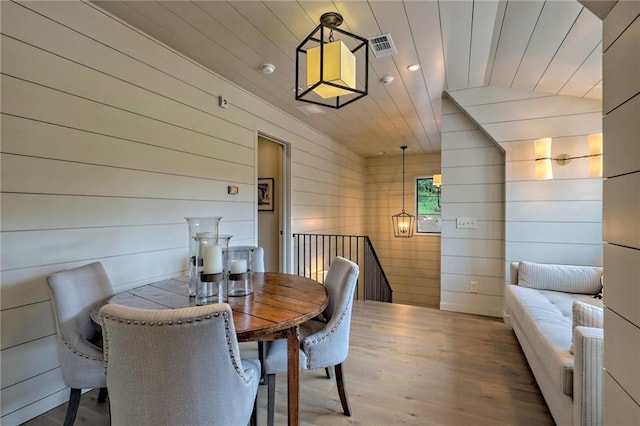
(542, 149)
(595, 149)
(331, 67)
(437, 183)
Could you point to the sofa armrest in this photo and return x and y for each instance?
(588, 372)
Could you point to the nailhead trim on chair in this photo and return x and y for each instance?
(180, 322)
(77, 352)
(325, 336)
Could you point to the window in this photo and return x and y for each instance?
(428, 212)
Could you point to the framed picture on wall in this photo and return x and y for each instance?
(265, 194)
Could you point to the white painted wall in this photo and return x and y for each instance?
(472, 187)
(550, 221)
(621, 84)
(412, 265)
(109, 139)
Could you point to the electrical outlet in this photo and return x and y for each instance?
(473, 286)
(223, 102)
(466, 223)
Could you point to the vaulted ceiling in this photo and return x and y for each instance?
(552, 46)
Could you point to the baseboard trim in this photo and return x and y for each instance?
(466, 309)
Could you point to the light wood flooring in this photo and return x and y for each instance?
(407, 365)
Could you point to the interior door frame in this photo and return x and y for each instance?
(284, 188)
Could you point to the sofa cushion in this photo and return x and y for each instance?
(564, 278)
(585, 315)
(545, 317)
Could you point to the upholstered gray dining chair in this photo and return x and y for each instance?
(323, 344)
(74, 292)
(177, 367)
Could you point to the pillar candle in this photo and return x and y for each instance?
(212, 259)
(238, 266)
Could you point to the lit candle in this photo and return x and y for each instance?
(212, 259)
(238, 266)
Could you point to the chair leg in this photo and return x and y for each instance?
(102, 395)
(254, 414)
(261, 358)
(342, 391)
(271, 398)
(72, 407)
(327, 371)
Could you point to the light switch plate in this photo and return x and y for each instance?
(466, 223)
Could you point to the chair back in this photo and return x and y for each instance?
(74, 292)
(340, 283)
(258, 260)
(176, 366)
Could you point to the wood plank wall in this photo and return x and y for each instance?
(472, 187)
(621, 74)
(109, 139)
(549, 221)
(412, 265)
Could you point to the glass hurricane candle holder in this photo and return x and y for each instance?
(239, 271)
(198, 225)
(211, 258)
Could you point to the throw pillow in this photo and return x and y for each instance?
(565, 278)
(585, 315)
(600, 295)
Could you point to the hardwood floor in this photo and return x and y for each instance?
(407, 366)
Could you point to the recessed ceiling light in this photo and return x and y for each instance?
(413, 67)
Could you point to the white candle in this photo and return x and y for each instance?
(212, 259)
(238, 266)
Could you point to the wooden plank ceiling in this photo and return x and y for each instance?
(550, 46)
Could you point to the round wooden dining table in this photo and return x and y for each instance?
(279, 304)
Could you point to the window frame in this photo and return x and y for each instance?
(435, 216)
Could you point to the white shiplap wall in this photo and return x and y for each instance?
(550, 221)
(472, 187)
(109, 139)
(411, 265)
(621, 83)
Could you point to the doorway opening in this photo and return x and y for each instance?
(274, 224)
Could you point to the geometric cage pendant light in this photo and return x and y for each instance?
(403, 222)
(327, 69)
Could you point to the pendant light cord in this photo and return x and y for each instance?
(403, 148)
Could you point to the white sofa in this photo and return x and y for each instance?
(565, 356)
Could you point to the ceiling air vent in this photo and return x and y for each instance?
(311, 109)
(382, 45)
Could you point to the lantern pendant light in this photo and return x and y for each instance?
(403, 222)
(331, 66)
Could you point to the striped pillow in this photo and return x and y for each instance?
(585, 315)
(565, 278)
